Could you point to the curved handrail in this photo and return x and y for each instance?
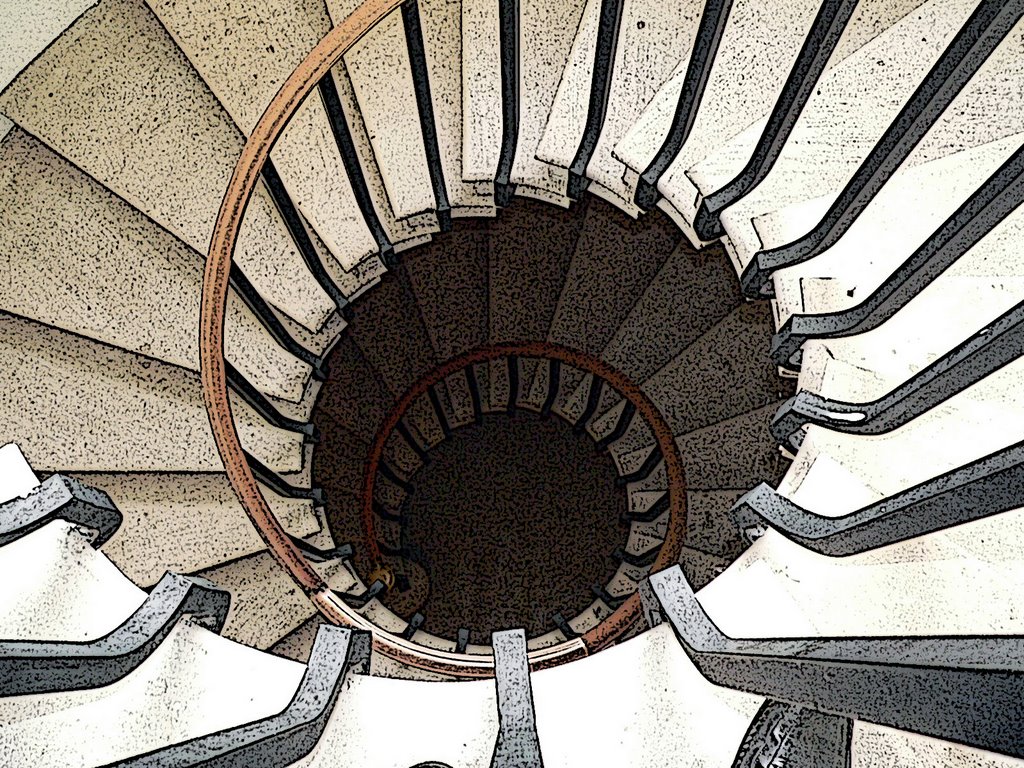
(217, 278)
(627, 613)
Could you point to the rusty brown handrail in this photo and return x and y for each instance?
(626, 615)
(244, 178)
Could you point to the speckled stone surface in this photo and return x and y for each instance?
(695, 289)
(120, 278)
(379, 68)
(449, 280)
(389, 329)
(244, 53)
(116, 96)
(737, 453)
(185, 522)
(722, 374)
(75, 404)
(512, 520)
(615, 260)
(529, 260)
(354, 397)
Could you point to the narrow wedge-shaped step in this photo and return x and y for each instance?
(266, 603)
(93, 408)
(663, 711)
(186, 522)
(950, 249)
(527, 269)
(441, 29)
(134, 285)
(985, 352)
(969, 79)
(652, 38)
(205, 683)
(703, 282)
(578, 111)
(282, 738)
(950, 307)
(962, 580)
(244, 56)
(809, 162)
(969, 671)
(357, 400)
(110, 77)
(41, 666)
(546, 32)
(615, 261)
(449, 280)
(483, 111)
(719, 376)
(390, 331)
(384, 83)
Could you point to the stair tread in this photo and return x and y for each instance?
(449, 280)
(186, 522)
(614, 262)
(66, 589)
(985, 418)
(114, 71)
(379, 68)
(925, 586)
(546, 32)
(83, 406)
(245, 55)
(205, 683)
(127, 283)
(909, 208)
(653, 673)
(653, 36)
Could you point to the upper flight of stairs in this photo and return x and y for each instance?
(795, 228)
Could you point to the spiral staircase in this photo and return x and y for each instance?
(736, 283)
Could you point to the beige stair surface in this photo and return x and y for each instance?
(481, 90)
(266, 604)
(546, 32)
(77, 405)
(30, 27)
(653, 36)
(244, 55)
(441, 22)
(455, 723)
(758, 48)
(116, 97)
(184, 522)
(125, 281)
(378, 66)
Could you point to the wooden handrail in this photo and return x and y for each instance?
(216, 278)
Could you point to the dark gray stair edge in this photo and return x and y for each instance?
(985, 487)
(31, 666)
(965, 689)
(60, 498)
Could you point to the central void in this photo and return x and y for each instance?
(513, 519)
